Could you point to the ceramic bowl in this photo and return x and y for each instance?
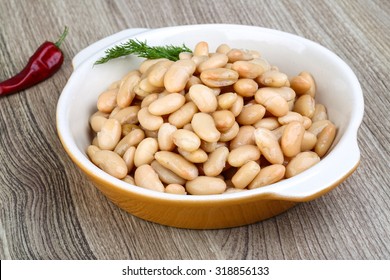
(337, 88)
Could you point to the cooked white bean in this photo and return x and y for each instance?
(167, 104)
(268, 145)
(109, 135)
(204, 98)
(217, 60)
(204, 126)
(245, 175)
(132, 139)
(219, 77)
(107, 101)
(97, 120)
(157, 72)
(126, 92)
(224, 120)
(301, 162)
(250, 114)
(246, 87)
(127, 115)
(305, 105)
(108, 161)
(245, 136)
(175, 189)
(272, 101)
(184, 115)
(186, 140)
(216, 162)
(177, 164)
(226, 100)
(148, 120)
(197, 156)
(144, 154)
(146, 177)
(325, 139)
(204, 185)
(268, 175)
(165, 137)
(178, 74)
(292, 137)
(243, 154)
(166, 175)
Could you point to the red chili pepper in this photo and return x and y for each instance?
(46, 60)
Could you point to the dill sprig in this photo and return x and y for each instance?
(141, 49)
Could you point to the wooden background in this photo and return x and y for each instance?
(49, 210)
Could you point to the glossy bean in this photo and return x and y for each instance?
(273, 78)
(325, 140)
(128, 157)
(245, 175)
(144, 154)
(272, 101)
(230, 133)
(216, 162)
(177, 164)
(109, 135)
(204, 98)
(237, 54)
(243, 154)
(226, 100)
(127, 115)
(305, 105)
(167, 104)
(197, 156)
(157, 72)
(246, 87)
(309, 141)
(248, 69)
(268, 145)
(250, 114)
(301, 162)
(97, 121)
(217, 60)
(291, 139)
(178, 74)
(219, 77)
(245, 136)
(268, 175)
(131, 139)
(107, 101)
(126, 92)
(319, 113)
(205, 185)
(223, 119)
(108, 161)
(165, 137)
(148, 120)
(184, 115)
(186, 140)
(175, 189)
(146, 177)
(166, 175)
(204, 126)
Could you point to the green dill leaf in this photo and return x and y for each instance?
(141, 49)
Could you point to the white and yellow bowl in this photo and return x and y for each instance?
(337, 87)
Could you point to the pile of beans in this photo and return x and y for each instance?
(209, 123)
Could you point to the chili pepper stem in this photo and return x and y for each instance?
(62, 37)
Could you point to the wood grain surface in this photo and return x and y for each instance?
(48, 210)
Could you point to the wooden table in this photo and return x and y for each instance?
(48, 208)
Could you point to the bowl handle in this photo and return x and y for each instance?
(315, 183)
(84, 54)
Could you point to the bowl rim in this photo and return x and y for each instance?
(279, 190)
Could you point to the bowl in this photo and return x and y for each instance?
(337, 87)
